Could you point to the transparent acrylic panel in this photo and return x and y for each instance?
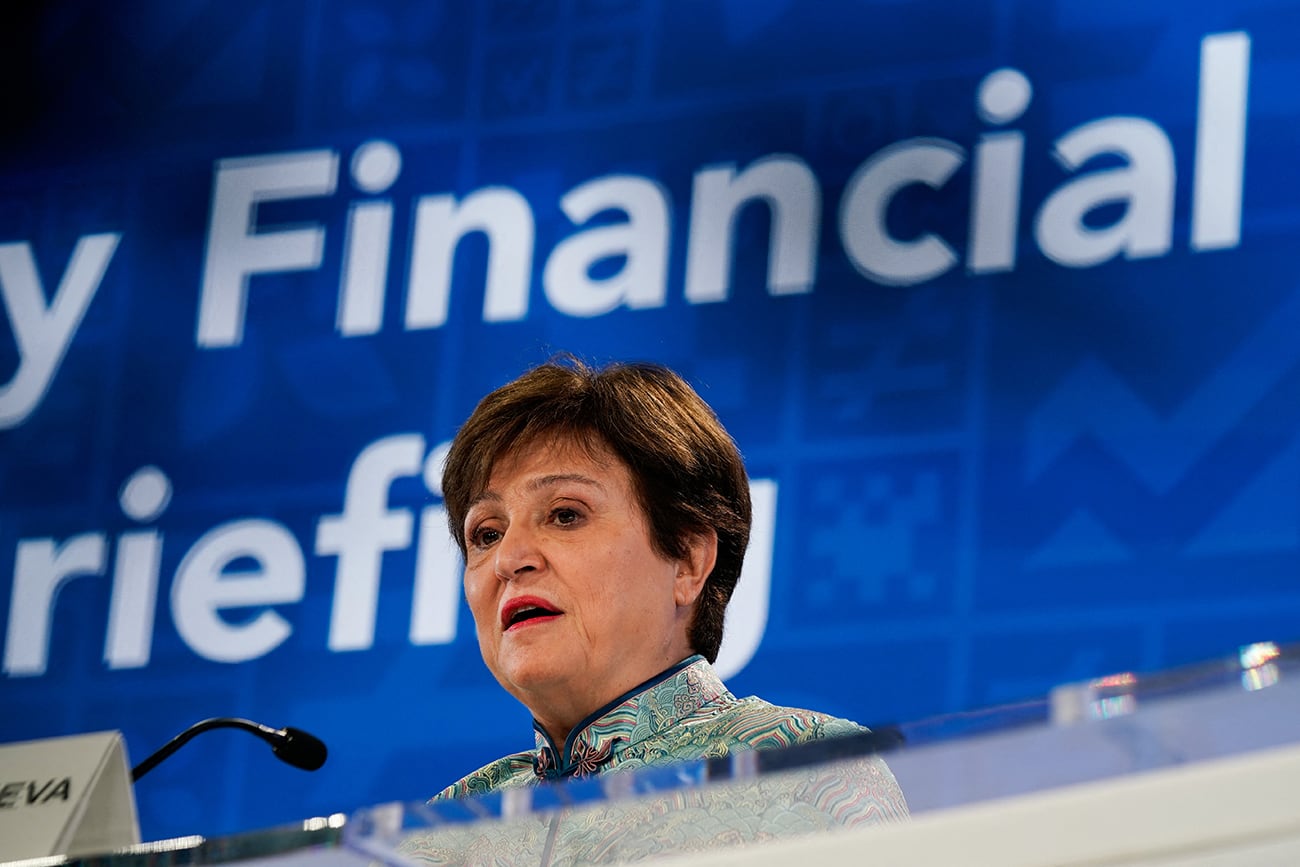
(1105, 728)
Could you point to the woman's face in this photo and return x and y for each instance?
(572, 604)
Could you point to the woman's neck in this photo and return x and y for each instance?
(558, 727)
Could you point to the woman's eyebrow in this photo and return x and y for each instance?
(486, 496)
(556, 478)
(537, 484)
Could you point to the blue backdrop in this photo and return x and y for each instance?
(999, 299)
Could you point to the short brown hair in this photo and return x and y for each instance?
(685, 468)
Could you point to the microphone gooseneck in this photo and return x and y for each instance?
(291, 745)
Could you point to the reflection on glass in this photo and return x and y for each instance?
(1255, 655)
(1259, 677)
(1114, 681)
(1116, 705)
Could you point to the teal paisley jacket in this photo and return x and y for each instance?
(685, 713)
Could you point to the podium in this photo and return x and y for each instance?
(1195, 767)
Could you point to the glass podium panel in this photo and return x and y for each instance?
(1084, 761)
(1099, 730)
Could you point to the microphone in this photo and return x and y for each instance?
(292, 745)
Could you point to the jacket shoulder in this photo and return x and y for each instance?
(755, 723)
(505, 773)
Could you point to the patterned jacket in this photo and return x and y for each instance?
(684, 713)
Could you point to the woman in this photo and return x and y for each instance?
(603, 515)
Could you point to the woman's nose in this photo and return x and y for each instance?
(517, 553)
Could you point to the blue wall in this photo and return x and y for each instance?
(998, 298)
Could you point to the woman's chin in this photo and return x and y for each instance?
(532, 673)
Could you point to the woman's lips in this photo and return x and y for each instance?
(525, 611)
(531, 621)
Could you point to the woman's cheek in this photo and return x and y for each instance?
(476, 592)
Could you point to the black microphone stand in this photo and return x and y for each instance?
(291, 745)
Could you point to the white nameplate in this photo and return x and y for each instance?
(66, 796)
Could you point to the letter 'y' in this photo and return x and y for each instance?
(43, 332)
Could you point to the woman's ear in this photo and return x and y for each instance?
(696, 566)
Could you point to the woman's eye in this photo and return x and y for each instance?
(485, 536)
(565, 517)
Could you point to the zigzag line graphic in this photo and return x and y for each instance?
(1092, 401)
(1263, 516)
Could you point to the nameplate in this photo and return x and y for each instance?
(66, 796)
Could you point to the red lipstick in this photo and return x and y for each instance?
(522, 611)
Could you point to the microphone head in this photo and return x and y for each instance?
(300, 749)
